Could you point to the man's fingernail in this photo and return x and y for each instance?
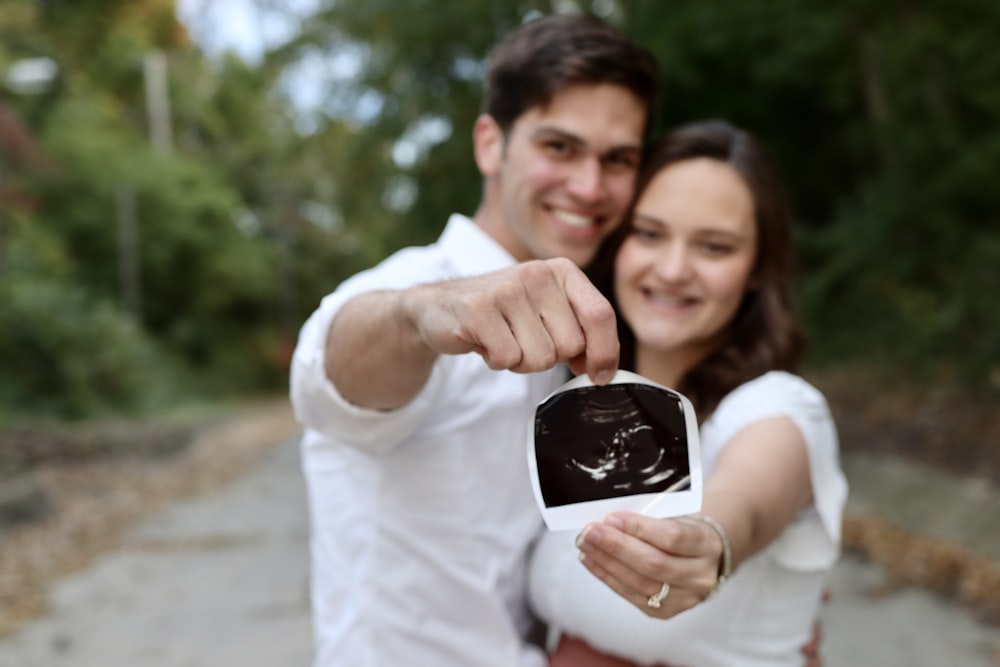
(586, 536)
(604, 377)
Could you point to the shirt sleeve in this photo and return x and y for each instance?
(812, 540)
(318, 405)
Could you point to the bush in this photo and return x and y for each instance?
(68, 355)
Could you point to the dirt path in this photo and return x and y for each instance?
(204, 564)
(94, 503)
(215, 580)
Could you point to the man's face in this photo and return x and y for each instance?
(564, 174)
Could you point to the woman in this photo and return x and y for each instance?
(700, 277)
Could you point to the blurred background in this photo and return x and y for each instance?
(181, 181)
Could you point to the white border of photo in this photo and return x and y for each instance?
(663, 504)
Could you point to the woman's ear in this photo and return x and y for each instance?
(487, 145)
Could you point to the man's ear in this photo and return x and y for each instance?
(487, 144)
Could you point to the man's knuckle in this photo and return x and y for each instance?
(562, 264)
(539, 360)
(572, 344)
(600, 312)
(505, 292)
(535, 273)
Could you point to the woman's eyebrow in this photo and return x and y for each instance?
(646, 217)
(649, 218)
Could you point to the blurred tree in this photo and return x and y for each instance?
(226, 240)
(882, 117)
(879, 115)
(412, 99)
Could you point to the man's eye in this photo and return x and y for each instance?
(559, 148)
(623, 161)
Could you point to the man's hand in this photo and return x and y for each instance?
(527, 318)
(381, 346)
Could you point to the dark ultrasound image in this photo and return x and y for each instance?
(594, 443)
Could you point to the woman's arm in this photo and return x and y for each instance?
(759, 483)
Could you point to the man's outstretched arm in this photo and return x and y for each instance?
(381, 346)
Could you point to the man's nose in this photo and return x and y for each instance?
(587, 180)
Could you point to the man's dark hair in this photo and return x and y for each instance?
(546, 55)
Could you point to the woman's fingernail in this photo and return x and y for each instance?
(585, 536)
(615, 521)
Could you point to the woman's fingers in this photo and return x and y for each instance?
(634, 555)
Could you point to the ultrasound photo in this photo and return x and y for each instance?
(608, 443)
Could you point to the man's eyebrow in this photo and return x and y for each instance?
(554, 132)
(545, 132)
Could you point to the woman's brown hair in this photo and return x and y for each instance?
(764, 334)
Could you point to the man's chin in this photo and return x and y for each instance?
(580, 255)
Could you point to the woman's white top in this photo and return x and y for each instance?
(763, 615)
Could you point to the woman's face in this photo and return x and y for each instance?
(681, 273)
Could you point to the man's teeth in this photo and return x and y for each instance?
(573, 219)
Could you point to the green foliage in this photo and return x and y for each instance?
(64, 353)
(225, 266)
(418, 65)
(881, 115)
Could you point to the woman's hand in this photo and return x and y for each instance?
(635, 555)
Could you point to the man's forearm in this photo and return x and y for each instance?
(375, 356)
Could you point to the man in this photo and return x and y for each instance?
(414, 450)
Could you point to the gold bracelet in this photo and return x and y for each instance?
(726, 562)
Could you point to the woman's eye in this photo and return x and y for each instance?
(646, 234)
(716, 248)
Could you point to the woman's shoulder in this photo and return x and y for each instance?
(777, 381)
(776, 386)
(775, 393)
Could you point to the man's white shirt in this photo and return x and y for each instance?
(421, 516)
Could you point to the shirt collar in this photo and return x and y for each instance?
(472, 250)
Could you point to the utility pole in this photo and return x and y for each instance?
(154, 67)
(154, 70)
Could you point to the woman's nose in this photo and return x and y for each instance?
(674, 264)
